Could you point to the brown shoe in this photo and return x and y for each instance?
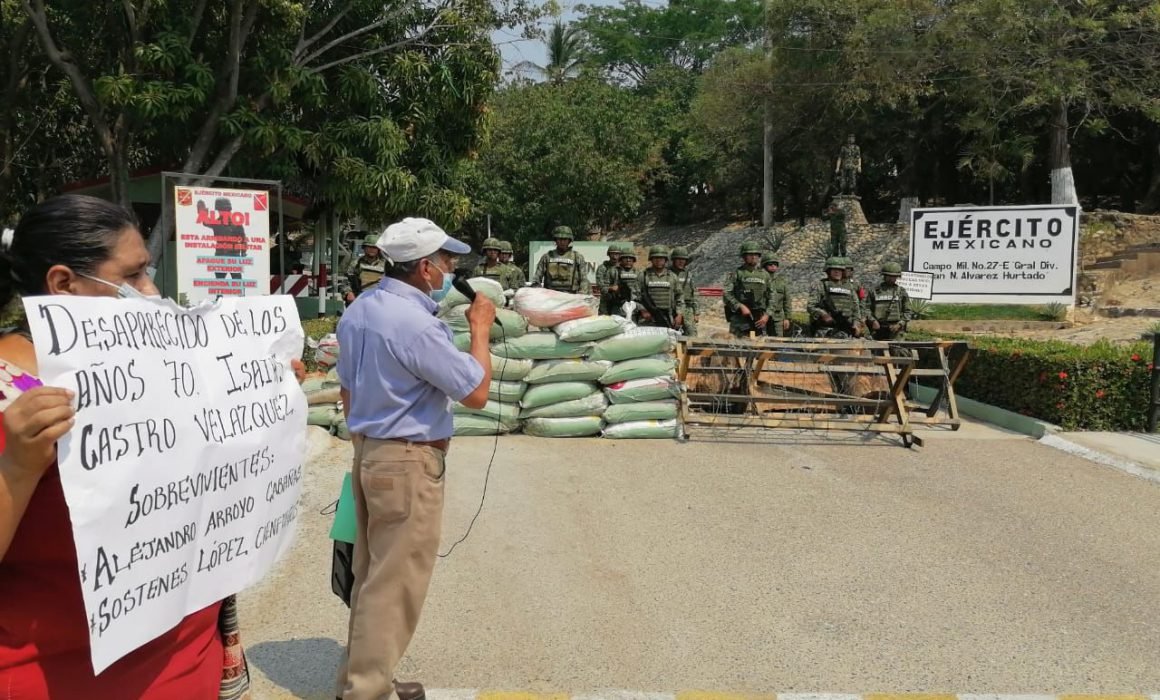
(410, 691)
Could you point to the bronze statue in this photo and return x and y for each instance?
(849, 166)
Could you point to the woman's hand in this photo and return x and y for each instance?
(32, 425)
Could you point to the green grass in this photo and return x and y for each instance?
(986, 312)
(316, 328)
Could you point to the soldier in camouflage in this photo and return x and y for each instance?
(563, 269)
(623, 281)
(834, 308)
(837, 218)
(491, 267)
(662, 298)
(748, 294)
(679, 263)
(363, 272)
(888, 306)
(505, 256)
(849, 166)
(604, 273)
(848, 275)
(779, 310)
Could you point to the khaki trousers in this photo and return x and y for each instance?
(398, 496)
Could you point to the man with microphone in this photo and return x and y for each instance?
(399, 373)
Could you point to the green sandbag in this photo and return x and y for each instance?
(594, 328)
(339, 428)
(462, 341)
(563, 427)
(578, 408)
(539, 346)
(481, 425)
(507, 412)
(646, 429)
(313, 385)
(509, 370)
(567, 371)
(482, 285)
(638, 342)
(508, 324)
(556, 392)
(644, 410)
(322, 415)
(653, 389)
(332, 375)
(642, 368)
(506, 392)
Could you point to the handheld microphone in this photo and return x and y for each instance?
(461, 285)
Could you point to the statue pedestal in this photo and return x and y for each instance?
(851, 204)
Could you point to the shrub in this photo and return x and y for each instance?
(1095, 387)
(1055, 311)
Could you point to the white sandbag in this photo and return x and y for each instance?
(508, 324)
(556, 392)
(640, 368)
(567, 371)
(480, 425)
(644, 410)
(482, 285)
(654, 389)
(509, 370)
(506, 392)
(506, 412)
(539, 346)
(563, 427)
(593, 405)
(326, 354)
(644, 429)
(547, 308)
(594, 328)
(635, 343)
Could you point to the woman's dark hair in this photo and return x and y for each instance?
(74, 230)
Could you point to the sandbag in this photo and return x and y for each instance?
(508, 324)
(539, 346)
(635, 343)
(546, 308)
(641, 368)
(556, 392)
(509, 370)
(332, 375)
(326, 354)
(644, 410)
(322, 415)
(330, 393)
(594, 328)
(593, 405)
(567, 371)
(506, 412)
(462, 341)
(482, 285)
(646, 429)
(506, 392)
(654, 389)
(339, 428)
(480, 425)
(313, 384)
(563, 427)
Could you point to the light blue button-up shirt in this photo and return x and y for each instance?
(398, 363)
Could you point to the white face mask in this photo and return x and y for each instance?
(124, 290)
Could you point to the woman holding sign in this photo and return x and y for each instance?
(80, 246)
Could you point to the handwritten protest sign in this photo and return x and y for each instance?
(183, 471)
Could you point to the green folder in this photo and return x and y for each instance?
(344, 520)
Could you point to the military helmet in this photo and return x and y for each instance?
(371, 239)
(680, 252)
(658, 251)
(627, 251)
(750, 248)
(562, 232)
(835, 263)
(892, 269)
(769, 257)
(847, 263)
(505, 247)
(613, 249)
(492, 244)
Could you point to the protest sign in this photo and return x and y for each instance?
(918, 285)
(223, 242)
(183, 471)
(1005, 255)
(594, 253)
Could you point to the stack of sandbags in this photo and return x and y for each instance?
(641, 385)
(453, 311)
(562, 398)
(324, 404)
(501, 414)
(544, 308)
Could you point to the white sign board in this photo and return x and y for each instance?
(223, 242)
(1002, 255)
(593, 252)
(183, 471)
(918, 285)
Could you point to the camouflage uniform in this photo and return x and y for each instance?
(837, 219)
(749, 286)
(779, 309)
(689, 312)
(889, 305)
(563, 272)
(515, 273)
(364, 272)
(661, 292)
(839, 301)
(604, 274)
(623, 283)
(499, 271)
(850, 164)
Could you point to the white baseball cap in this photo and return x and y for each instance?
(414, 239)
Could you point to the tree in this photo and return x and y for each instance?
(565, 44)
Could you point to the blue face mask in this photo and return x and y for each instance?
(438, 294)
(124, 290)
